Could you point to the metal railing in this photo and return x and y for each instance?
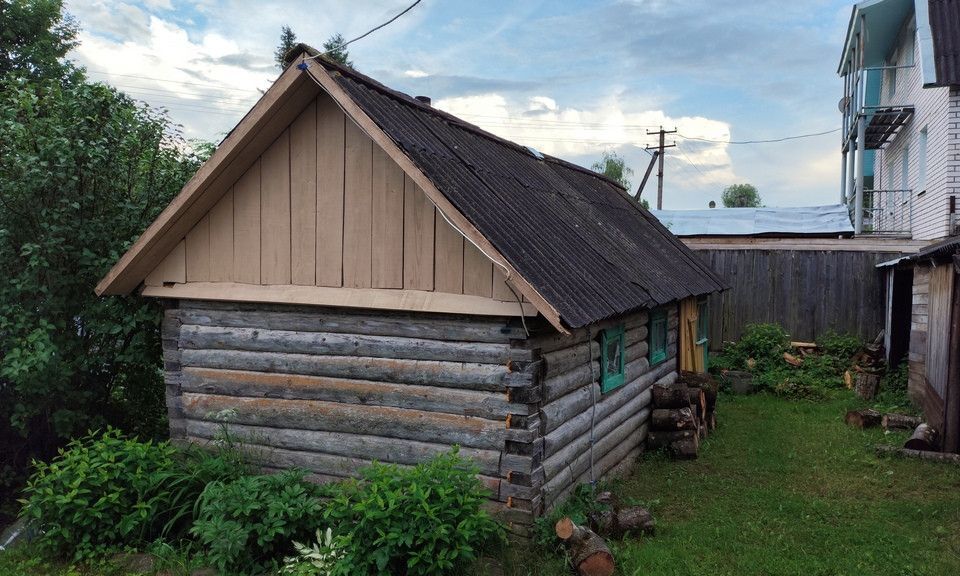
(886, 212)
(855, 97)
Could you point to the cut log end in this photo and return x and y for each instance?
(564, 528)
(924, 438)
(862, 418)
(598, 564)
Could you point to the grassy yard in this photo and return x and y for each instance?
(784, 487)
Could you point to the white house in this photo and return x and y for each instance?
(901, 117)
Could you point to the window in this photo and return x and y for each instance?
(702, 327)
(611, 359)
(657, 336)
(922, 161)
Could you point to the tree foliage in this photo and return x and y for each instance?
(335, 50)
(35, 35)
(741, 196)
(614, 167)
(287, 41)
(85, 169)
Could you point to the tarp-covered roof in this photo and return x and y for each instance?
(807, 221)
(576, 236)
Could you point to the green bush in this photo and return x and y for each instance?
(103, 492)
(841, 347)
(423, 520)
(764, 343)
(247, 525)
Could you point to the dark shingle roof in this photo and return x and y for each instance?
(574, 235)
(945, 27)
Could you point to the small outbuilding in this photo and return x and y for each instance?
(356, 276)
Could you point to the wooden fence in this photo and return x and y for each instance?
(807, 287)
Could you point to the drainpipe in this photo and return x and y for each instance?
(861, 147)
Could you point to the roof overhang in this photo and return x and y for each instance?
(878, 22)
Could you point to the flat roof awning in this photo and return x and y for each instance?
(884, 123)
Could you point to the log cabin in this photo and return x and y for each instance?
(356, 276)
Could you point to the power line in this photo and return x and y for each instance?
(368, 32)
(170, 81)
(785, 138)
(688, 159)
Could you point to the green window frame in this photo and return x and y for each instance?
(611, 359)
(657, 336)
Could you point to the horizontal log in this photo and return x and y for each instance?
(467, 375)
(580, 424)
(921, 454)
(552, 340)
(342, 444)
(635, 335)
(566, 359)
(562, 384)
(272, 317)
(672, 419)
(491, 405)
(335, 417)
(554, 414)
(338, 344)
(674, 395)
(661, 438)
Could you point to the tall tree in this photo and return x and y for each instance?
(336, 51)
(614, 167)
(741, 196)
(287, 41)
(35, 35)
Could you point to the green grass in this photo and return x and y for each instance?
(784, 487)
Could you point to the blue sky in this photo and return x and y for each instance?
(571, 79)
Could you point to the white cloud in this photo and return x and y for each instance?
(416, 74)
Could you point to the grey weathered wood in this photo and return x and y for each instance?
(566, 407)
(672, 419)
(638, 390)
(362, 446)
(551, 340)
(336, 417)
(561, 384)
(311, 319)
(490, 405)
(341, 344)
(565, 359)
(489, 377)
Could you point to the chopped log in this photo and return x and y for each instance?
(588, 552)
(867, 384)
(894, 421)
(684, 449)
(698, 401)
(803, 344)
(924, 438)
(618, 523)
(671, 395)
(848, 379)
(922, 454)
(862, 418)
(751, 363)
(659, 439)
(792, 360)
(672, 419)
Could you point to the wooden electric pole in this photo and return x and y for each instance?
(660, 148)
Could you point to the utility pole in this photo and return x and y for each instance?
(662, 145)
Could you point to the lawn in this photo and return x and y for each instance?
(781, 487)
(785, 487)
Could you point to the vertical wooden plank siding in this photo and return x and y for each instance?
(477, 272)
(246, 226)
(357, 208)
(275, 212)
(448, 258)
(938, 327)
(303, 197)
(173, 268)
(331, 125)
(500, 289)
(198, 251)
(221, 239)
(387, 262)
(418, 236)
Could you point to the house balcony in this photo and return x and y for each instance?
(862, 104)
(885, 212)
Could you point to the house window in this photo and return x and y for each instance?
(702, 327)
(657, 336)
(611, 358)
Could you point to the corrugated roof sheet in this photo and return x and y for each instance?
(808, 221)
(945, 27)
(582, 243)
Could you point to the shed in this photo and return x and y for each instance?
(923, 312)
(357, 276)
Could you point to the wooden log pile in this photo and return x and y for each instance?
(586, 548)
(684, 412)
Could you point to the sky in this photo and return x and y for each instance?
(571, 79)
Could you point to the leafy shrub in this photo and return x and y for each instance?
(841, 347)
(103, 492)
(317, 559)
(764, 343)
(416, 521)
(247, 524)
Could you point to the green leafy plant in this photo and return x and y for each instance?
(247, 524)
(103, 492)
(427, 519)
(316, 559)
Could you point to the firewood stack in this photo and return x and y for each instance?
(684, 412)
(868, 367)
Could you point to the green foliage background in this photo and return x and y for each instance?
(84, 170)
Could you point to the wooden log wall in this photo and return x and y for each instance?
(330, 390)
(573, 410)
(808, 292)
(325, 206)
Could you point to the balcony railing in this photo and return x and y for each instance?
(886, 212)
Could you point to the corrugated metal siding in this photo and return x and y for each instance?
(945, 26)
(582, 243)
